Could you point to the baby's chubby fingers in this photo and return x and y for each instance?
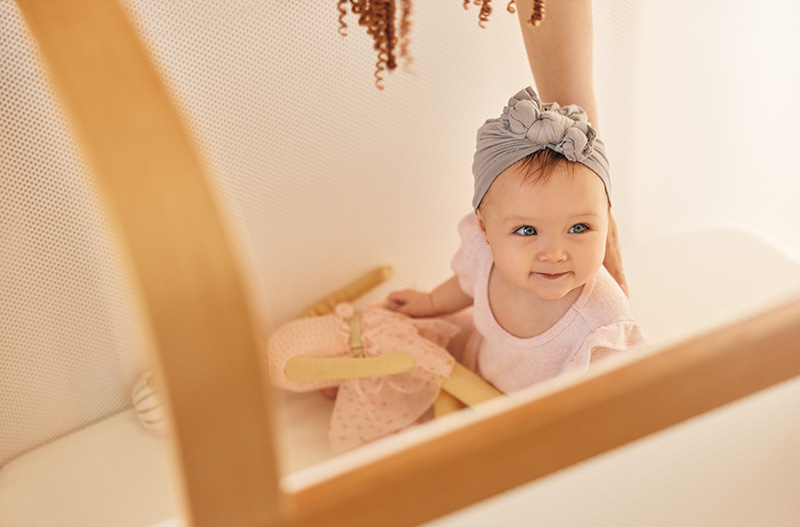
(409, 302)
(397, 299)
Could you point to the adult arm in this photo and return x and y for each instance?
(560, 52)
(560, 55)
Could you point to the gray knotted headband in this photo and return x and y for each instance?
(528, 126)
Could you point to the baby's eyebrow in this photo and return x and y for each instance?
(532, 219)
(569, 216)
(584, 215)
(520, 219)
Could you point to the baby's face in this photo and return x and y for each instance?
(546, 237)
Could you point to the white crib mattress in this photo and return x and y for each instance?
(113, 473)
(116, 473)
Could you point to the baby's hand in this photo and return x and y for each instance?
(412, 303)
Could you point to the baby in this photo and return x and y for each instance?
(530, 261)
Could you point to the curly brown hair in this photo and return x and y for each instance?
(537, 14)
(379, 18)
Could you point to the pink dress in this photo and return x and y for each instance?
(598, 323)
(367, 408)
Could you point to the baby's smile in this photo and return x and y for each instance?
(551, 276)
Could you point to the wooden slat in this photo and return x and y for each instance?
(468, 387)
(557, 431)
(313, 369)
(189, 285)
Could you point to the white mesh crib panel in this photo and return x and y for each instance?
(70, 345)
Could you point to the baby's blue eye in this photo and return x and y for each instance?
(526, 230)
(579, 228)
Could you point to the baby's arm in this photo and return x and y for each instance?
(445, 299)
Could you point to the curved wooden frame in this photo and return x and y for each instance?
(190, 290)
(205, 351)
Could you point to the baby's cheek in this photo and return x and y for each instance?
(596, 256)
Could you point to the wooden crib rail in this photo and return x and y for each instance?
(549, 434)
(205, 353)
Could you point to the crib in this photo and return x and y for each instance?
(722, 304)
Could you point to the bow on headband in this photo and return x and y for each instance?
(527, 126)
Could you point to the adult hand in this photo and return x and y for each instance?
(613, 259)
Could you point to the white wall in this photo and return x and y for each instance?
(717, 111)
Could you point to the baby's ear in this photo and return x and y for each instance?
(481, 222)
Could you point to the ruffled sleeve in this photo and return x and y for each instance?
(466, 261)
(605, 341)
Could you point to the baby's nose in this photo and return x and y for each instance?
(552, 251)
